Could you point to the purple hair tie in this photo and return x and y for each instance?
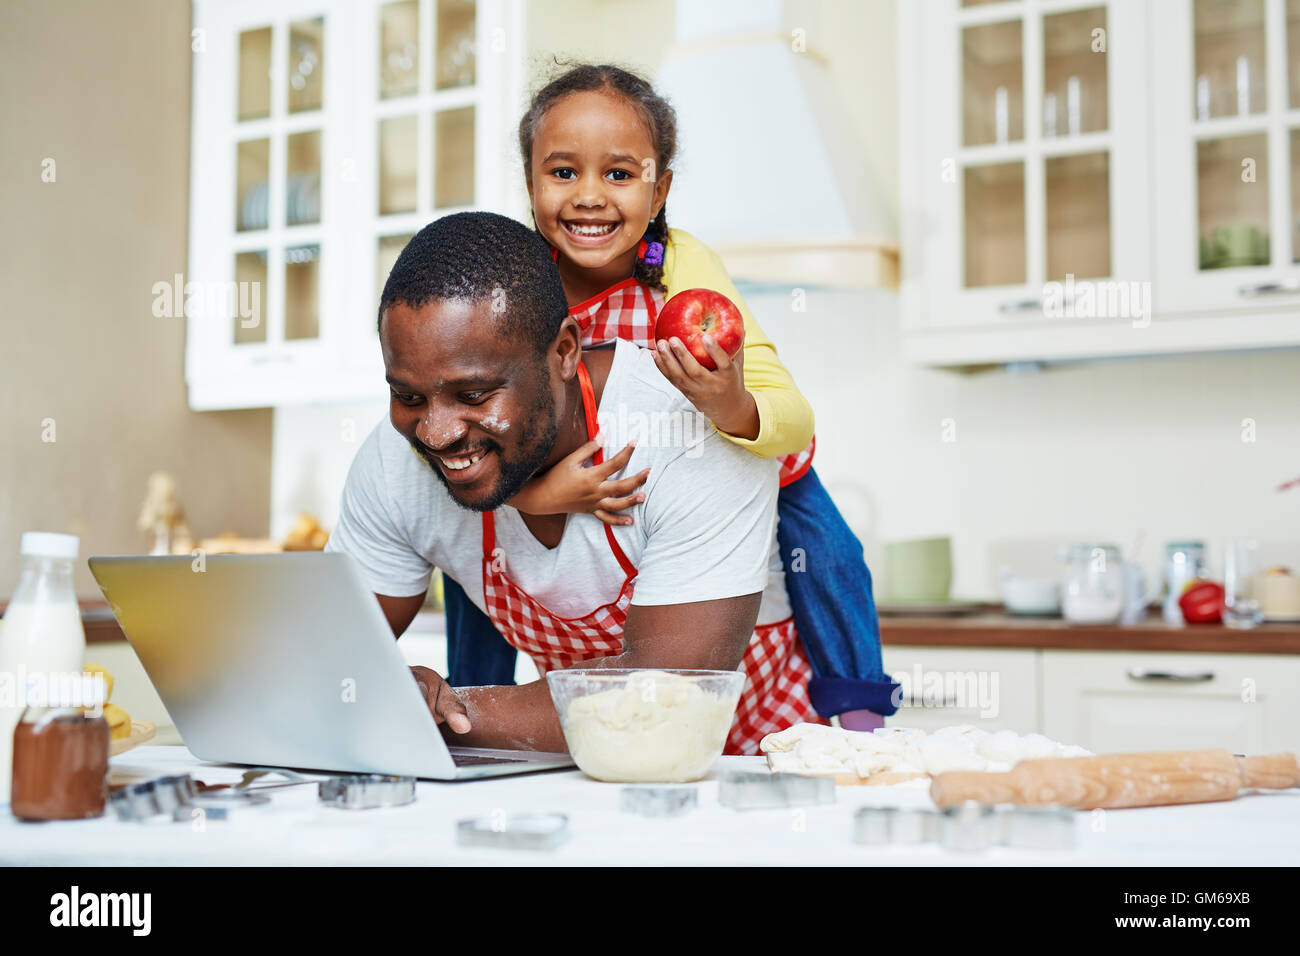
(654, 254)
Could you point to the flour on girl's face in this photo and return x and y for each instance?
(493, 424)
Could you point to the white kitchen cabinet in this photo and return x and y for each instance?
(1246, 703)
(1050, 183)
(991, 688)
(1227, 145)
(1109, 701)
(324, 134)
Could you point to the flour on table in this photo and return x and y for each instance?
(818, 748)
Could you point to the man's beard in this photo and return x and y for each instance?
(537, 438)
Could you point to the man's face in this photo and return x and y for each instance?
(478, 407)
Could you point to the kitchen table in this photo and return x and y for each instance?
(1258, 828)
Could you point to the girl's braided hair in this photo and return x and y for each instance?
(655, 111)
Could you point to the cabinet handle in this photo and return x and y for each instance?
(919, 701)
(1268, 288)
(270, 357)
(1021, 305)
(1194, 677)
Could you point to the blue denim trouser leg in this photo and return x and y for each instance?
(477, 654)
(829, 586)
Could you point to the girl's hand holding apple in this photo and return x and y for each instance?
(718, 394)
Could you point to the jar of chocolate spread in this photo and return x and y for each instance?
(60, 769)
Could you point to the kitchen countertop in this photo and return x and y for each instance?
(1259, 828)
(991, 627)
(994, 628)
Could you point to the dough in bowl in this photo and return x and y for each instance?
(659, 727)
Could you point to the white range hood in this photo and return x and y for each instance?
(769, 171)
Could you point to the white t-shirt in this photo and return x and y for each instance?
(706, 530)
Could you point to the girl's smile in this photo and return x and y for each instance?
(591, 232)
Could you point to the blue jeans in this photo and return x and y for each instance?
(477, 654)
(829, 586)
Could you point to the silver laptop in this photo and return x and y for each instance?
(286, 660)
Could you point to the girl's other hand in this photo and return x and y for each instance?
(719, 395)
(571, 488)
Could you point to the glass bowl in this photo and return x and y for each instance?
(626, 725)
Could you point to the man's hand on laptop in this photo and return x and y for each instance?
(443, 703)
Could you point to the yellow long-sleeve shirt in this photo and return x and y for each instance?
(785, 419)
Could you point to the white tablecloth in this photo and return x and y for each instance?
(1257, 828)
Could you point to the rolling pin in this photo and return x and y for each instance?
(1120, 780)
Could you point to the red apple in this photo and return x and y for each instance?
(693, 313)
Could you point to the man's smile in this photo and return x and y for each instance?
(461, 468)
(464, 469)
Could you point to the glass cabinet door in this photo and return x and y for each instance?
(426, 117)
(1230, 59)
(324, 135)
(279, 129)
(1035, 153)
(1231, 143)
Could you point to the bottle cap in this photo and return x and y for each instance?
(47, 544)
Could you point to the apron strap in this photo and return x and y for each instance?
(650, 308)
(593, 427)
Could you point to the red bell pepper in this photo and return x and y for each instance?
(1202, 602)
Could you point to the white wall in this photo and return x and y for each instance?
(1134, 452)
(311, 449)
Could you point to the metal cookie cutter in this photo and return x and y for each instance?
(220, 805)
(968, 826)
(878, 825)
(1046, 827)
(658, 801)
(142, 801)
(514, 831)
(768, 791)
(367, 791)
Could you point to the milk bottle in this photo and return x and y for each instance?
(42, 642)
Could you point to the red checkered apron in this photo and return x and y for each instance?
(627, 310)
(775, 665)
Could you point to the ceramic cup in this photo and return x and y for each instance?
(918, 571)
(1240, 243)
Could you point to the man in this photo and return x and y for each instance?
(489, 386)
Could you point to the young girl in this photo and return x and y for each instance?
(597, 145)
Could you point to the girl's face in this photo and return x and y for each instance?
(593, 182)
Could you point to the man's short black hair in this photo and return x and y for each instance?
(477, 256)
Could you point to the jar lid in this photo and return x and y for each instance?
(48, 544)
